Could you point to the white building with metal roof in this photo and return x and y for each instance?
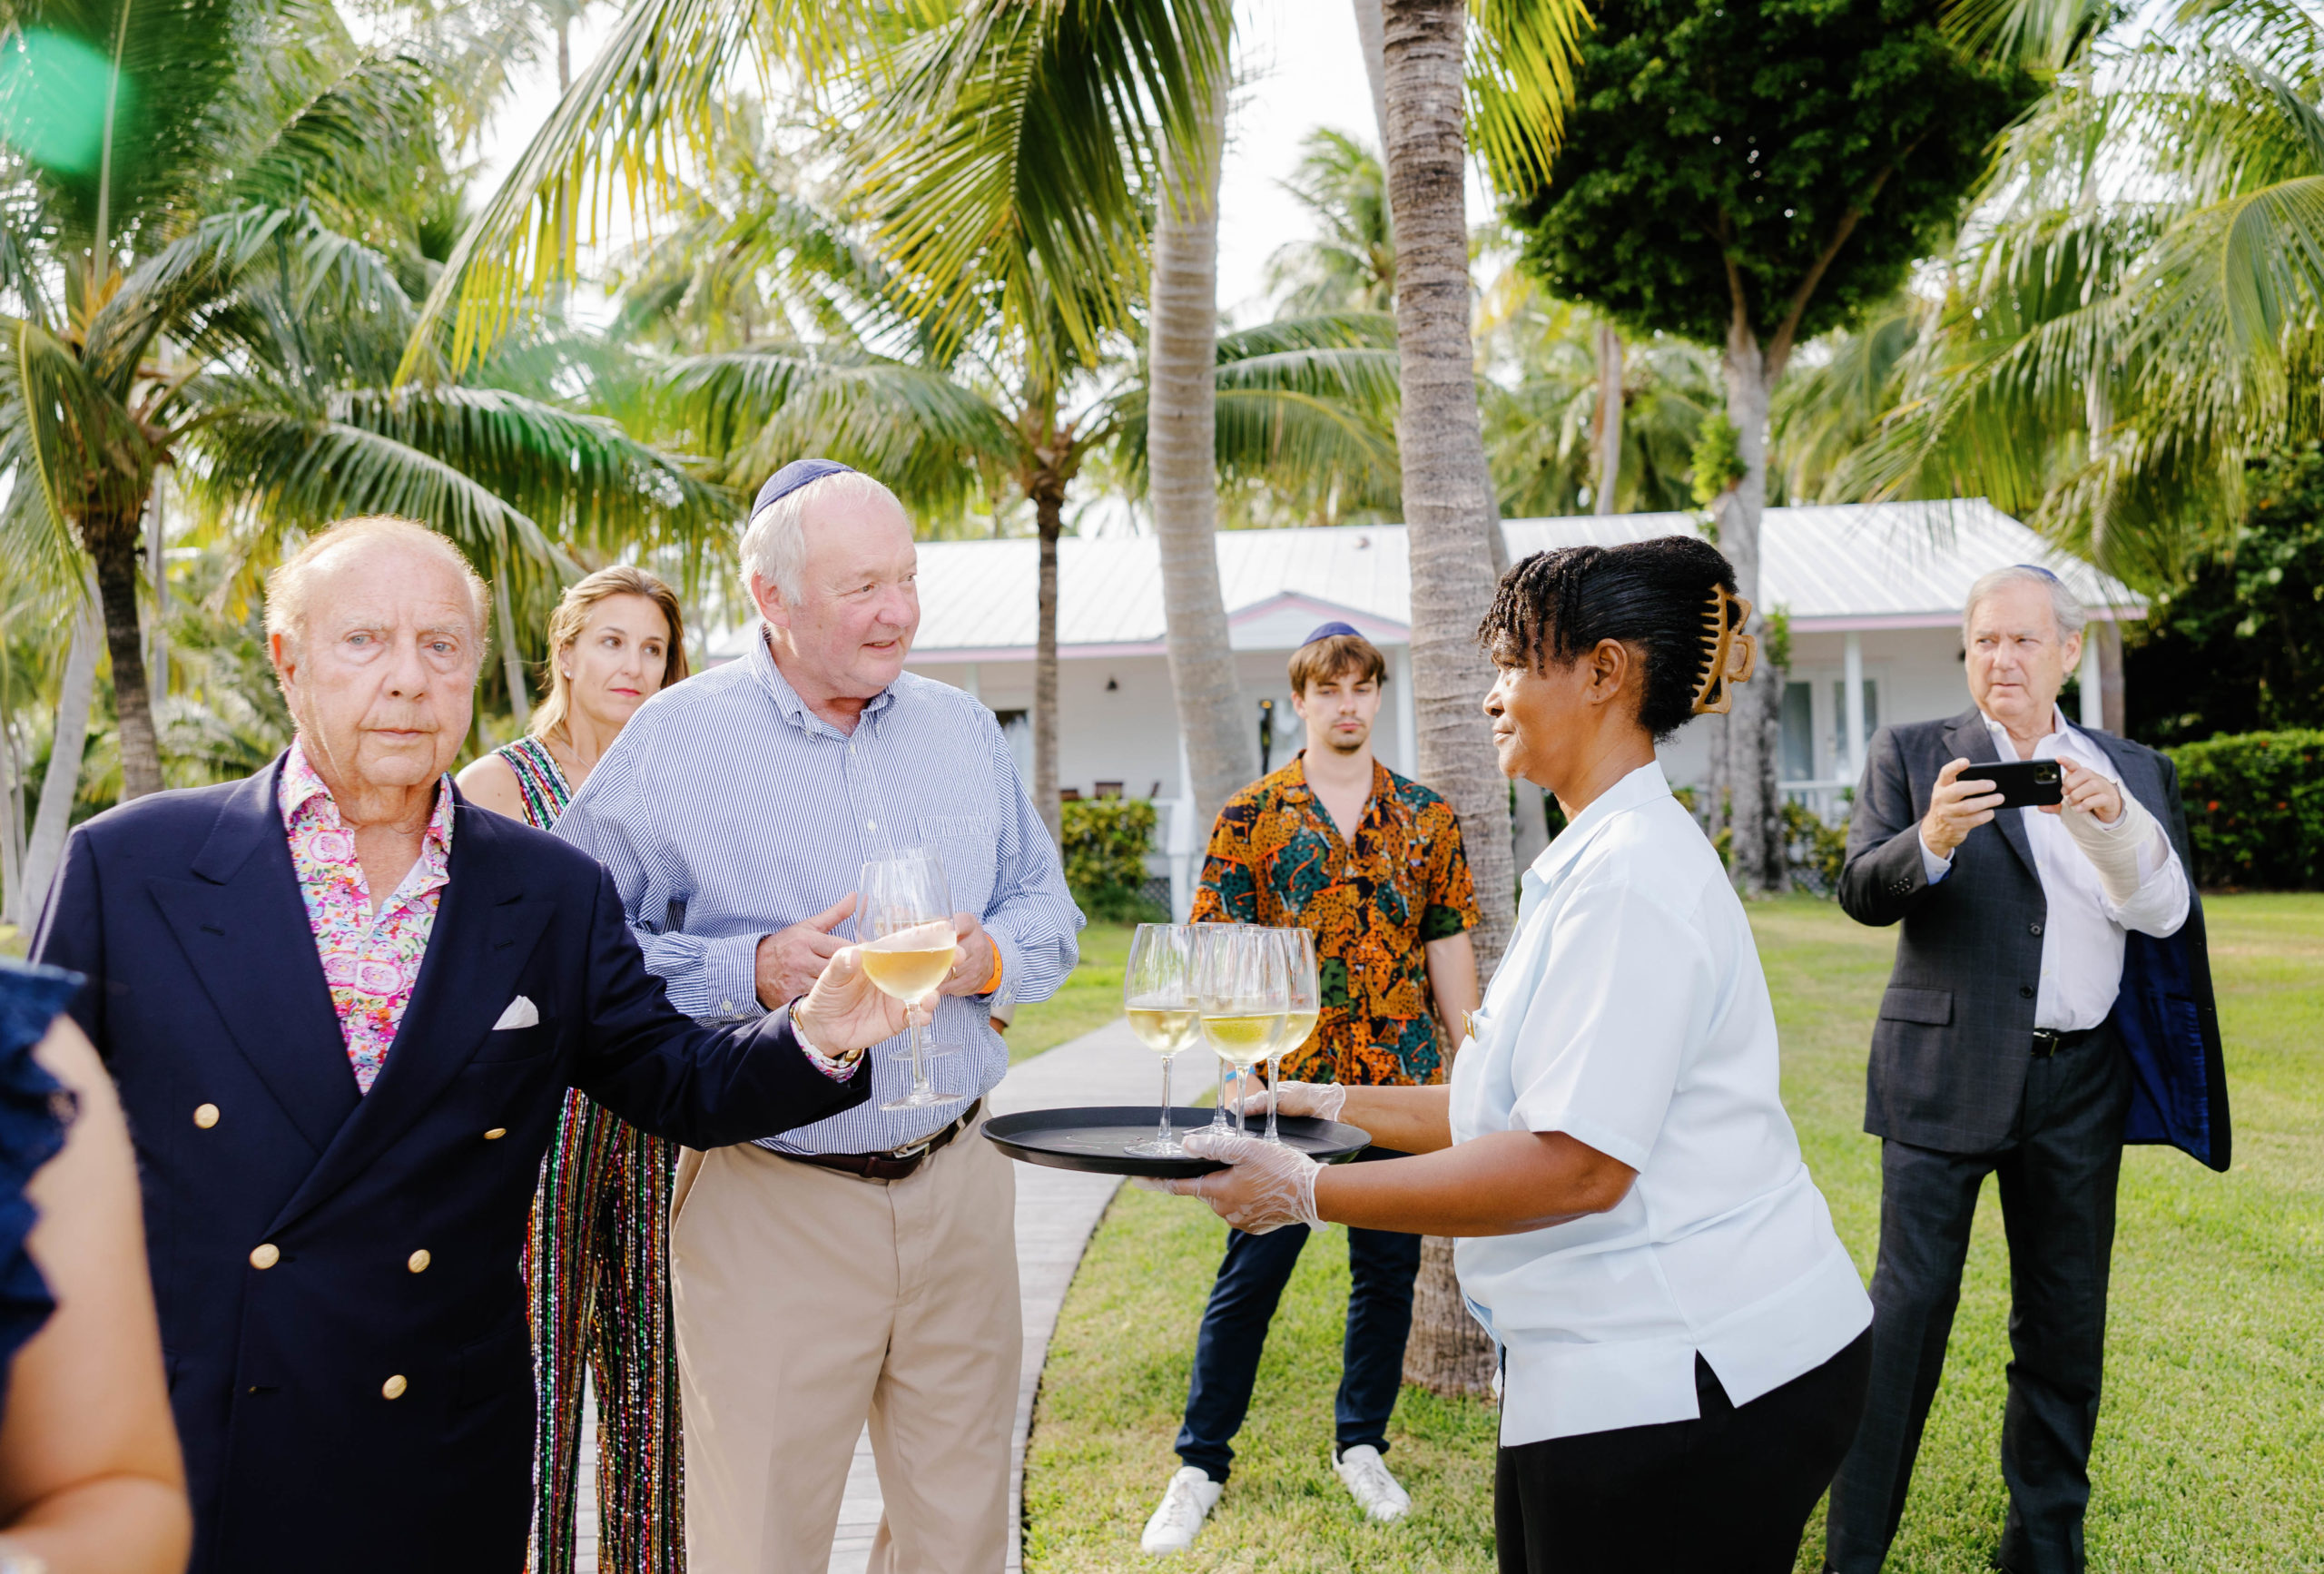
(1874, 596)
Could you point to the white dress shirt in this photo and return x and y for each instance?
(1631, 1014)
(2082, 936)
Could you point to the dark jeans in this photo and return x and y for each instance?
(2057, 1177)
(1729, 1491)
(1382, 1265)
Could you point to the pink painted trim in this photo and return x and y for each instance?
(1906, 620)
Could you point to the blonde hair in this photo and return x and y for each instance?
(774, 544)
(572, 615)
(287, 588)
(1337, 655)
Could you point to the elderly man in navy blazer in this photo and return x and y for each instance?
(343, 1007)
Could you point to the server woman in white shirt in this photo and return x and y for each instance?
(1683, 1336)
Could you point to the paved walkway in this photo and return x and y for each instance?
(1055, 1212)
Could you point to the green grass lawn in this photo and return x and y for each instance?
(2211, 1448)
(1090, 997)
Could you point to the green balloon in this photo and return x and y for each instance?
(52, 89)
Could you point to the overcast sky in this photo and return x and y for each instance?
(1302, 68)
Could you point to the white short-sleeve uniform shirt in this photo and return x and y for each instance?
(1630, 1013)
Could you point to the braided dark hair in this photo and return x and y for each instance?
(1669, 597)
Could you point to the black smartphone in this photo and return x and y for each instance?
(2022, 783)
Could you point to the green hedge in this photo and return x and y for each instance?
(2255, 808)
(1105, 843)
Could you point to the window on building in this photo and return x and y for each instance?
(1799, 731)
(1842, 753)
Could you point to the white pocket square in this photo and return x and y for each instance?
(521, 1013)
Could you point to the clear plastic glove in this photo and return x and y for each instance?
(1266, 1187)
(1323, 1100)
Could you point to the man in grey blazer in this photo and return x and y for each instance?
(2051, 1000)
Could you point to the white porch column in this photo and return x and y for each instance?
(1400, 678)
(2093, 683)
(1178, 843)
(969, 681)
(1852, 707)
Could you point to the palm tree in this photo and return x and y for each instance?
(1009, 152)
(237, 257)
(1350, 265)
(2134, 320)
(1525, 54)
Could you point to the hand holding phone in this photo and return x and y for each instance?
(2022, 783)
(1957, 807)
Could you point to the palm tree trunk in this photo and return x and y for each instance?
(1368, 29)
(512, 660)
(1758, 865)
(112, 545)
(1182, 445)
(1449, 514)
(1609, 433)
(53, 818)
(1049, 512)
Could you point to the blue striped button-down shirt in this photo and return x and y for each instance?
(727, 810)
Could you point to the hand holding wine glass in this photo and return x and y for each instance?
(906, 945)
(846, 1013)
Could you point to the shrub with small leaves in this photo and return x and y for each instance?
(2255, 808)
(1105, 842)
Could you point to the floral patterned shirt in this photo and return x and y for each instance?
(370, 960)
(1276, 858)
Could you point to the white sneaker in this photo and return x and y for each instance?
(1185, 1504)
(1368, 1480)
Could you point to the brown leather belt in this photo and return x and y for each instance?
(892, 1166)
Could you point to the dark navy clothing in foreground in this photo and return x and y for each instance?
(1382, 1266)
(31, 1132)
(338, 1272)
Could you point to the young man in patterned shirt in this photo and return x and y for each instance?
(1372, 863)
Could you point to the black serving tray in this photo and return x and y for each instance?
(1093, 1139)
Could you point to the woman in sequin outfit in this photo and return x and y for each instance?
(598, 1252)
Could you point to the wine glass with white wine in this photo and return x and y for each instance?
(1240, 996)
(903, 929)
(1158, 994)
(1303, 1004)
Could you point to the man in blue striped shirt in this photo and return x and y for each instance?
(865, 1266)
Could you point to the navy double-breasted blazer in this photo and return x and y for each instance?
(338, 1272)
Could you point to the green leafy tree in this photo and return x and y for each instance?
(2239, 647)
(1749, 175)
(219, 277)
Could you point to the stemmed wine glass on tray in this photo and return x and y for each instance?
(1158, 995)
(1240, 996)
(1303, 1004)
(904, 929)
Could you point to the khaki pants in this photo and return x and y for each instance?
(808, 1301)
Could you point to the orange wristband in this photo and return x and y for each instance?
(993, 982)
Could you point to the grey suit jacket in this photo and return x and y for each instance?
(1950, 1050)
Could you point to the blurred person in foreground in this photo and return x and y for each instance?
(1372, 863)
(862, 1268)
(2051, 1000)
(90, 1478)
(343, 1006)
(597, 1256)
(1683, 1337)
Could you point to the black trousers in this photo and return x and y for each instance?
(1729, 1491)
(1382, 1266)
(2058, 1174)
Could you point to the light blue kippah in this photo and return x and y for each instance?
(798, 473)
